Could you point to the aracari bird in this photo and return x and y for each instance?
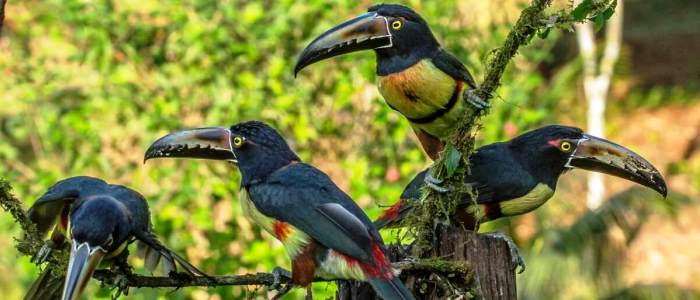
(416, 76)
(324, 232)
(101, 220)
(515, 177)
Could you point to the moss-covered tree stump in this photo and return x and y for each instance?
(467, 265)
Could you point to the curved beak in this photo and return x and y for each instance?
(600, 155)
(367, 31)
(203, 143)
(82, 264)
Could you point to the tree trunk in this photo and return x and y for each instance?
(2, 14)
(596, 83)
(490, 271)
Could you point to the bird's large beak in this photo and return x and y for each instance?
(81, 265)
(600, 155)
(205, 143)
(368, 31)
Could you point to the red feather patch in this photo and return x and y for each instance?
(380, 267)
(349, 260)
(392, 212)
(281, 230)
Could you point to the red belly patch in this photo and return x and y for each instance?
(281, 230)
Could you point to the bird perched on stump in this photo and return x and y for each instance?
(416, 76)
(515, 177)
(324, 232)
(100, 220)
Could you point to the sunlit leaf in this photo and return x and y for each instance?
(452, 160)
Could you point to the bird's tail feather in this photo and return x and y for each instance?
(153, 252)
(393, 216)
(47, 287)
(392, 289)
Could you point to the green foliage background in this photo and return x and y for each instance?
(88, 85)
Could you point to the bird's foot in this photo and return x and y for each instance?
(404, 251)
(282, 291)
(123, 271)
(121, 284)
(309, 293)
(514, 252)
(434, 183)
(44, 252)
(476, 101)
(279, 273)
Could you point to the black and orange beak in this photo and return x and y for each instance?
(603, 156)
(365, 32)
(203, 143)
(81, 265)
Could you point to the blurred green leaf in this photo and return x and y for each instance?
(454, 157)
(580, 12)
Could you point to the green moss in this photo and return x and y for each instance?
(31, 241)
(446, 266)
(436, 277)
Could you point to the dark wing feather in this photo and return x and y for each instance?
(48, 286)
(307, 199)
(449, 64)
(347, 222)
(135, 203)
(154, 251)
(49, 206)
(497, 176)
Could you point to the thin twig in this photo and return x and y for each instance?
(263, 279)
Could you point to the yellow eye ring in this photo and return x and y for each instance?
(396, 25)
(565, 146)
(237, 141)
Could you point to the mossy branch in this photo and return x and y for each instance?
(31, 242)
(533, 20)
(261, 279)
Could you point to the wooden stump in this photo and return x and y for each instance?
(491, 271)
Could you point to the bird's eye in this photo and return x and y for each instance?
(396, 25)
(565, 146)
(238, 141)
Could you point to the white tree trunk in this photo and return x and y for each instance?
(596, 83)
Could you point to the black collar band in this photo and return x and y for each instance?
(440, 112)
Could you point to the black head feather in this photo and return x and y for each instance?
(412, 42)
(397, 11)
(537, 151)
(263, 151)
(544, 134)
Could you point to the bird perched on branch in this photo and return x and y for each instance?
(100, 220)
(515, 177)
(324, 232)
(416, 76)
